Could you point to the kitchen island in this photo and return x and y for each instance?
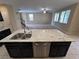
(42, 43)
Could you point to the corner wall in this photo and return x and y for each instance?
(5, 14)
(74, 28)
(65, 27)
(8, 14)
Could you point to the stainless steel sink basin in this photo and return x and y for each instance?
(17, 36)
(21, 36)
(26, 36)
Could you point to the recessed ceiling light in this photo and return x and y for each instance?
(44, 11)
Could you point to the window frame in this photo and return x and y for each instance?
(31, 17)
(65, 16)
(56, 17)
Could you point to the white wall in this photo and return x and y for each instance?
(39, 18)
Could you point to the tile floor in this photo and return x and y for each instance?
(73, 53)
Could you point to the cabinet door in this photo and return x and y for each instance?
(59, 49)
(20, 50)
(26, 50)
(4, 33)
(14, 51)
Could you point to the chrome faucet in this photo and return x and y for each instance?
(24, 26)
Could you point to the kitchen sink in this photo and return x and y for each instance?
(26, 36)
(21, 36)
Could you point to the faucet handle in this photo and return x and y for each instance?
(30, 32)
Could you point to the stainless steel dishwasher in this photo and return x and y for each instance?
(41, 49)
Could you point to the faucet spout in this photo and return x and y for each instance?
(24, 25)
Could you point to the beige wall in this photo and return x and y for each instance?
(74, 28)
(10, 18)
(15, 19)
(39, 18)
(5, 13)
(66, 27)
(52, 22)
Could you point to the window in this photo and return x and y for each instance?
(31, 17)
(64, 16)
(56, 17)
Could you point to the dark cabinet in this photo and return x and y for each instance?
(13, 51)
(4, 34)
(20, 50)
(30, 50)
(59, 49)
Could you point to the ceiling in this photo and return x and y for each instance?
(36, 5)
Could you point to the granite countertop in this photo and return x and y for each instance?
(43, 35)
(4, 28)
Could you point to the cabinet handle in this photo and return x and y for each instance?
(36, 44)
(45, 44)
